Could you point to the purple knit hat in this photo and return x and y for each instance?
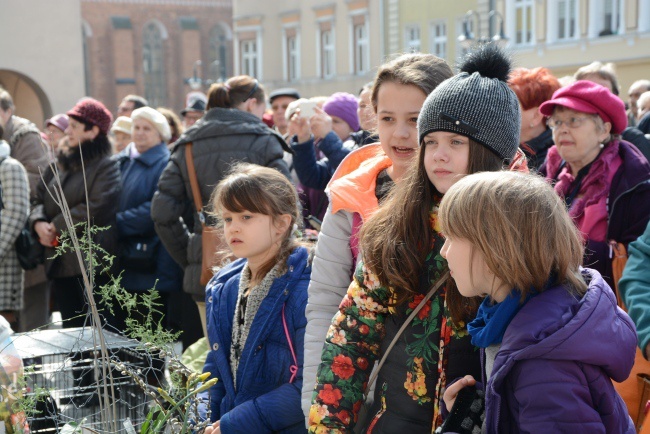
(343, 105)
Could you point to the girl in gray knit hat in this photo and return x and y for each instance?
(469, 123)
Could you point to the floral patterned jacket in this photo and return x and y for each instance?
(412, 380)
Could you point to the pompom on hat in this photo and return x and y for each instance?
(343, 105)
(477, 103)
(589, 97)
(92, 111)
(157, 119)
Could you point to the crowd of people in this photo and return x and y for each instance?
(369, 261)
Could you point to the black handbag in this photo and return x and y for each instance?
(29, 250)
(140, 253)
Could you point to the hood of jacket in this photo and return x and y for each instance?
(557, 325)
(352, 187)
(219, 122)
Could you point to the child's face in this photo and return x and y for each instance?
(253, 236)
(469, 270)
(446, 157)
(398, 107)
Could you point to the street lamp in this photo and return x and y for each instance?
(195, 82)
(467, 39)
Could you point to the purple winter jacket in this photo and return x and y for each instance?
(552, 372)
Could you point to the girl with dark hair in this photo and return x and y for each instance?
(256, 306)
(359, 184)
(469, 123)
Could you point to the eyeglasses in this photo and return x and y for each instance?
(252, 92)
(572, 122)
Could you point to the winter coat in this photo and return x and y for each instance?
(134, 224)
(103, 184)
(352, 191)
(634, 286)
(628, 207)
(414, 374)
(537, 148)
(264, 400)
(315, 173)
(552, 372)
(15, 210)
(220, 139)
(28, 148)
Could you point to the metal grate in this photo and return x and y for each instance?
(66, 363)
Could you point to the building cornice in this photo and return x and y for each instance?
(225, 4)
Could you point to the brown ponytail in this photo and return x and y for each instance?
(234, 92)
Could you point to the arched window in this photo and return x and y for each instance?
(219, 53)
(155, 90)
(86, 33)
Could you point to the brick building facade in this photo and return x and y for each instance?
(155, 48)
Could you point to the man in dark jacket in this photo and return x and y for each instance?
(221, 138)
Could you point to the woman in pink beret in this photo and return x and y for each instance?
(605, 181)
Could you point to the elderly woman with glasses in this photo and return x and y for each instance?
(605, 181)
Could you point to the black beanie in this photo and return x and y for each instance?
(476, 103)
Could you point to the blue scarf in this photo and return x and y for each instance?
(493, 319)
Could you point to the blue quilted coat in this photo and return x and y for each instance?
(264, 401)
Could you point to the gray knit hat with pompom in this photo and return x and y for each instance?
(477, 103)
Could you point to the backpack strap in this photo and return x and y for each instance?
(354, 237)
(293, 368)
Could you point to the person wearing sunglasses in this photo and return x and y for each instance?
(604, 180)
(231, 131)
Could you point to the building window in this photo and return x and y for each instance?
(524, 19)
(611, 17)
(412, 38)
(218, 54)
(153, 59)
(439, 39)
(327, 52)
(360, 45)
(567, 15)
(249, 57)
(291, 54)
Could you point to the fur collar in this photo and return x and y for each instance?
(69, 158)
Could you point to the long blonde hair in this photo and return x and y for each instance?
(520, 226)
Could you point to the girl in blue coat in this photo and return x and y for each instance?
(551, 334)
(256, 306)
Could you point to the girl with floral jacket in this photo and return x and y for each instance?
(469, 123)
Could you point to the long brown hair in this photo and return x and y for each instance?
(234, 92)
(520, 226)
(263, 190)
(397, 238)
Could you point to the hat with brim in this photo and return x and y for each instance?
(122, 124)
(588, 97)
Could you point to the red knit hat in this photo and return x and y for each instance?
(92, 111)
(588, 97)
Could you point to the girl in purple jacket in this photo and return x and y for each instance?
(551, 334)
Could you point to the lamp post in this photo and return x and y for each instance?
(195, 82)
(468, 38)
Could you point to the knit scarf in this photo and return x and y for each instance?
(492, 319)
(255, 297)
(595, 185)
